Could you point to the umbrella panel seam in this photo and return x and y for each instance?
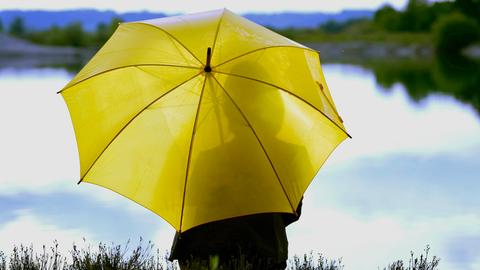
(263, 48)
(258, 140)
(187, 170)
(289, 92)
(173, 37)
(122, 67)
(130, 121)
(217, 31)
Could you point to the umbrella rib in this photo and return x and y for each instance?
(261, 145)
(130, 121)
(173, 37)
(263, 48)
(328, 101)
(121, 67)
(218, 29)
(190, 151)
(288, 92)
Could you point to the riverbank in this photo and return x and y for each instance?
(358, 50)
(16, 52)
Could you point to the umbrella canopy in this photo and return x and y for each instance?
(203, 117)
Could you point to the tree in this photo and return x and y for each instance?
(104, 31)
(74, 35)
(17, 27)
(55, 36)
(455, 32)
(387, 18)
(101, 34)
(331, 27)
(470, 8)
(114, 24)
(417, 17)
(1, 26)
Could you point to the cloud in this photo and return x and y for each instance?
(464, 251)
(37, 140)
(28, 230)
(391, 125)
(410, 186)
(368, 243)
(78, 211)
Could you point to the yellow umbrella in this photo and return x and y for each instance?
(203, 117)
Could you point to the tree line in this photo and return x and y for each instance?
(72, 34)
(454, 24)
(449, 25)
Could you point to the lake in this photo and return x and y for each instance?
(408, 178)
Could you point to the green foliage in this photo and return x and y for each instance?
(104, 31)
(24, 258)
(387, 18)
(3, 261)
(448, 74)
(416, 263)
(1, 26)
(308, 262)
(334, 27)
(470, 8)
(145, 257)
(17, 27)
(390, 25)
(454, 32)
(417, 17)
(54, 36)
(420, 15)
(74, 35)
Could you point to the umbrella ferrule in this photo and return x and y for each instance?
(208, 68)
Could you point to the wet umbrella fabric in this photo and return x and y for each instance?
(203, 117)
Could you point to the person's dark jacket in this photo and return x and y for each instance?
(254, 236)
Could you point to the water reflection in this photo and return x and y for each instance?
(69, 63)
(452, 75)
(409, 176)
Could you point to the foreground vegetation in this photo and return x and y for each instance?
(146, 257)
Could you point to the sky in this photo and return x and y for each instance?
(188, 6)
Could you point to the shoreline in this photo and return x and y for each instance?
(15, 52)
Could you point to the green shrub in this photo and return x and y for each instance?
(3, 261)
(308, 262)
(17, 27)
(387, 18)
(416, 263)
(454, 32)
(145, 257)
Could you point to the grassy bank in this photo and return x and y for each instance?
(146, 257)
(313, 35)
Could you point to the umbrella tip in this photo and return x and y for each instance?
(208, 68)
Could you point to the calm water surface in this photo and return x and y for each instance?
(408, 178)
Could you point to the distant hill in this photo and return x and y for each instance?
(306, 20)
(90, 18)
